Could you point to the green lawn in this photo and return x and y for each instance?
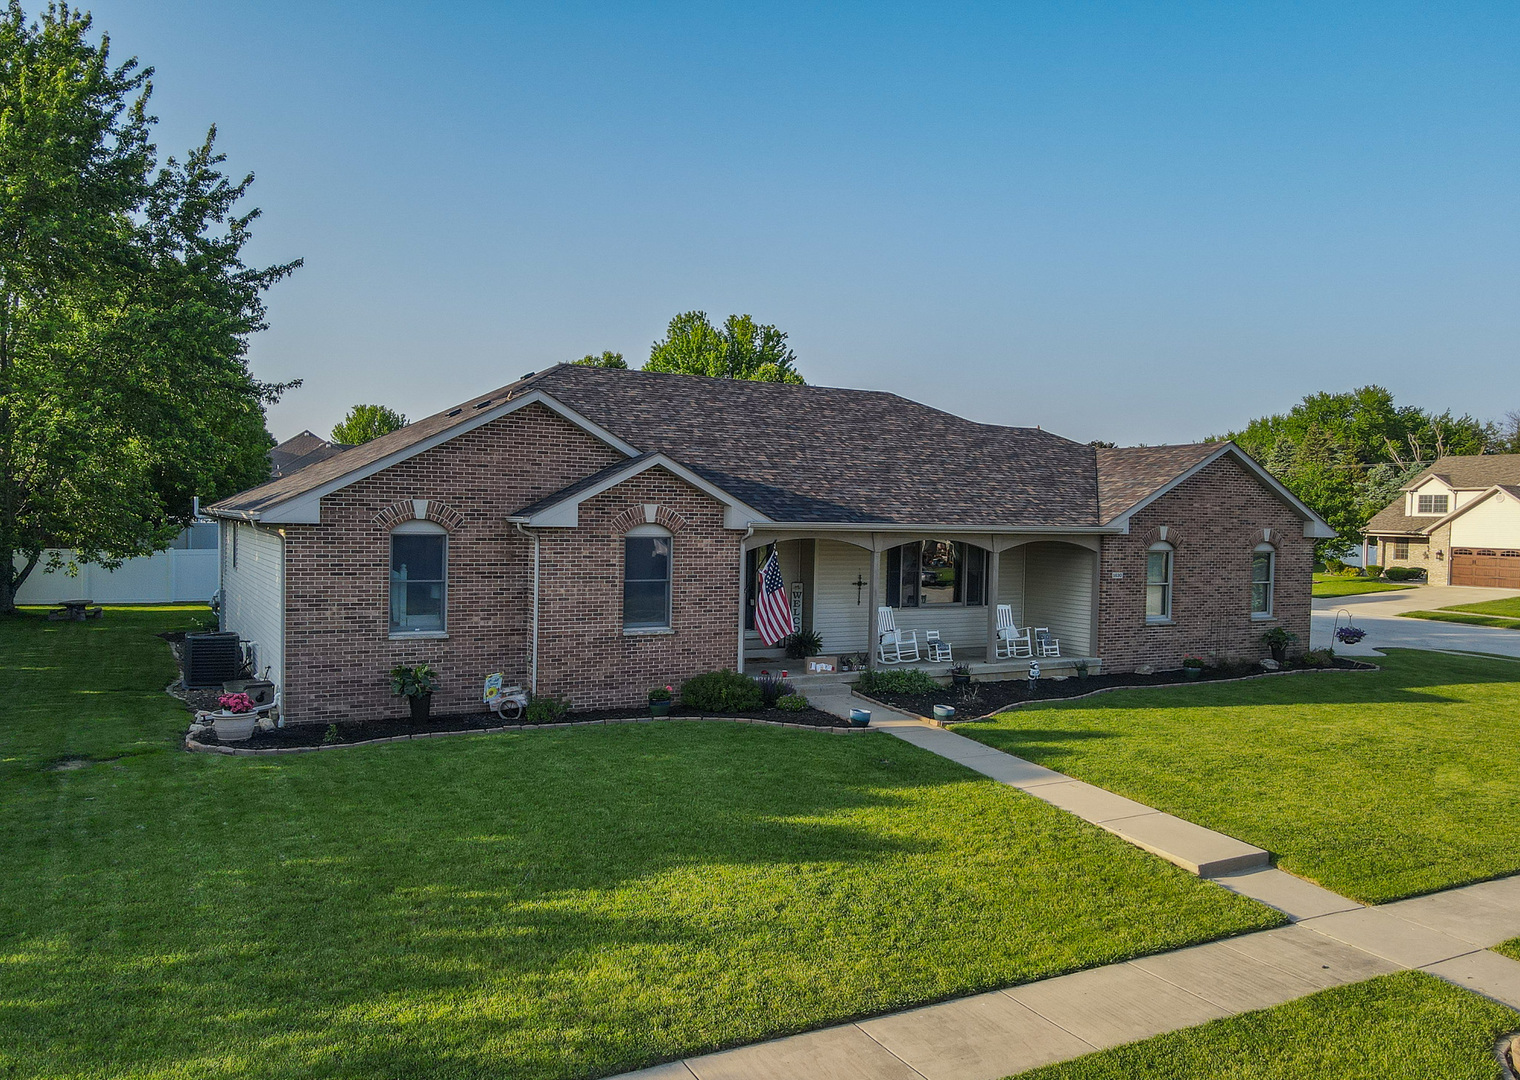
(1325, 585)
(1503, 613)
(546, 904)
(1409, 1026)
(1376, 784)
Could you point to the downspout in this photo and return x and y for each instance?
(533, 653)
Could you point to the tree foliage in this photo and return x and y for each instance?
(608, 359)
(366, 422)
(742, 349)
(1349, 454)
(125, 310)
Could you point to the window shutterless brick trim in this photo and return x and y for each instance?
(1214, 520)
(633, 516)
(406, 510)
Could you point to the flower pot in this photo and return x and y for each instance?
(659, 708)
(421, 705)
(233, 727)
(960, 680)
(860, 717)
(1193, 672)
(944, 712)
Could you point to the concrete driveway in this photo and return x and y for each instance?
(1377, 613)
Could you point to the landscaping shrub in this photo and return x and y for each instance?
(546, 709)
(1374, 570)
(1404, 573)
(904, 681)
(1335, 566)
(1320, 658)
(792, 702)
(722, 692)
(772, 688)
(804, 643)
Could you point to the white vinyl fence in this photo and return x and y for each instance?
(190, 571)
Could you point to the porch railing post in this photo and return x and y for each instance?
(871, 629)
(993, 560)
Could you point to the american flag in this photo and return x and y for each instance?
(773, 613)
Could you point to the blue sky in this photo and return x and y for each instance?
(1144, 222)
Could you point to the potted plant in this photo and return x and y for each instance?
(1081, 669)
(1349, 635)
(1278, 639)
(235, 721)
(416, 684)
(1192, 666)
(803, 644)
(659, 700)
(960, 675)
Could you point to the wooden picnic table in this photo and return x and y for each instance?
(76, 611)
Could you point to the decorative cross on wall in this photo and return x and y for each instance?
(859, 583)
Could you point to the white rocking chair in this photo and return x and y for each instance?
(894, 646)
(1011, 641)
(1047, 645)
(939, 649)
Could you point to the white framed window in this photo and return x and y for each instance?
(1432, 504)
(1401, 549)
(647, 553)
(419, 578)
(1263, 578)
(1158, 583)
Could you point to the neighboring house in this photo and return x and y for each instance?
(185, 573)
(1459, 521)
(593, 533)
(299, 451)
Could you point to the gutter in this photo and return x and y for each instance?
(893, 527)
(533, 653)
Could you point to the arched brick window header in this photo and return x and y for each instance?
(1161, 534)
(1257, 537)
(647, 514)
(419, 510)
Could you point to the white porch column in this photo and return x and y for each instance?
(871, 629)
(994, 564)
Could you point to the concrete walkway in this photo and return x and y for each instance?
(1331, 941)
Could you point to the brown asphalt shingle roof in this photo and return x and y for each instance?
(1467, 472)
(1127, 474)
(817, 454)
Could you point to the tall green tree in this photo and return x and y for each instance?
(125, 310)
(608, 359)
(742, 349)
(1348, 454)
(366, 422)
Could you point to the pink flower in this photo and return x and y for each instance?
(236, 703)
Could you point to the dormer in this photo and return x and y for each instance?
(1432, 497)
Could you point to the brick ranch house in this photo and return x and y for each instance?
(594, 533)
(1459, 521)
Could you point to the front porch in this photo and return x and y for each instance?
(951, 583)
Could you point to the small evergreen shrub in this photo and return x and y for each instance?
(722, 692)
(792, 702)
(903, 681)
(1404, 573)
(1374, 570)
(546, 709)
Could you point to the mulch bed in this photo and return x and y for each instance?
(309, 735)
(993, 697)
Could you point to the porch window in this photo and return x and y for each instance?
(1401, 547)
(419, 577)
(1158, 583)
(1431, 504)
(928, 573)
(1263, 572)
(646, 578)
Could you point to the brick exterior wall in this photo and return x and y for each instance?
(338, 652)
(583, 650)
(1214, 519)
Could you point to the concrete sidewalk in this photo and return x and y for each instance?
(1332, 941)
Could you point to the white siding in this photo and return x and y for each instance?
(1011, 581)
(1491, 524)
(1058, 593)
(839, 620)
(253, 592)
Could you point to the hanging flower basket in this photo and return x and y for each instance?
(1349, 635)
